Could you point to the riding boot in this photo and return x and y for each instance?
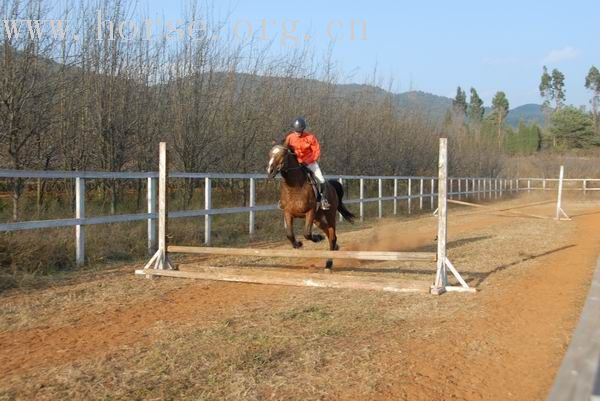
(324, 202)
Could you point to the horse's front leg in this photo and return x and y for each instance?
(309, 219)
(289, 230)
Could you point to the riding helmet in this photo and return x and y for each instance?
(299, 125)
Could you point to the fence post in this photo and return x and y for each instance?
(528, 185)
(584, 187)
(207, 207)
(409, 195)
(421, 195)
(479, 189)
(341, 181)
(79, 214)
(362, 196)
(450, 185)
(544, 184)
(395, 196)
(380, 191)
(459, 189)
(151, 198)
(432, 192)
(252, 203)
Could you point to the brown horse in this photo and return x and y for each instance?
(298, 200)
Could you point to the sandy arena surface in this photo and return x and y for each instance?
(96, 337)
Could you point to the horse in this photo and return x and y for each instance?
(298, 199)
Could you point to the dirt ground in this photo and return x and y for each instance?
(111, 335)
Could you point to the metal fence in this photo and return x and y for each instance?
(418, 192)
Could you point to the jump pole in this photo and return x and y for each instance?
(560, 213)
(160, 260)
(440, 284)
(160, 265)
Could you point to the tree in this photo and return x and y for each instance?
(476, 109)
(572, 127)
(500, 107)
(552, 89)
(592, 82)
(526, 140)
(558, 88)
(545, 88)
(459, 103)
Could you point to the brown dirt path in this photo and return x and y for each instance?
(526, 324)
(510, 349)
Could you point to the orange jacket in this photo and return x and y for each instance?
(305, 146)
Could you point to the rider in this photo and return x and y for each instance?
(307, 149)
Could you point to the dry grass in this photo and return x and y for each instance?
(292, 344)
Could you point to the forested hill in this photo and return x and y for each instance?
(435, 106)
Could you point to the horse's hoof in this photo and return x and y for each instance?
(317, 238)
(298, 244)
(337, 247)
(328, 264)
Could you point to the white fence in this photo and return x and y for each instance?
(419, 190)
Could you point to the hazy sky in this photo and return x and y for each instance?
(434, 45)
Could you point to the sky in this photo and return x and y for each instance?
(432, 46)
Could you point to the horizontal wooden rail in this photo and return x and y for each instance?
(296, 253)
(294, 279)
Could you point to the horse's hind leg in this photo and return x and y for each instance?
(329, 230)
(289, 230)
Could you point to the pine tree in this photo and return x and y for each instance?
(500, 111)
(476, 109)
(592, 82)
(459, 104)
(546, 88)
(573, 127)
(552, 89)
(558, 88)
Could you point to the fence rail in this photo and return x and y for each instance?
(418, 189)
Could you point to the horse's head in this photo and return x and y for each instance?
(277, 158)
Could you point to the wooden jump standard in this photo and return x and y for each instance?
(160, 265)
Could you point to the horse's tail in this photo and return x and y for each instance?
(346, 214)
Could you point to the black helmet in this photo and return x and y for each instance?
(299, 125)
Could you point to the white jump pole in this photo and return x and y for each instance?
(160, 260)
(441, 277)
(443, 263)
(560, 213)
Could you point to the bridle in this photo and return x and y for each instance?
(285, 168)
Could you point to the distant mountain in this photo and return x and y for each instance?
(429, 104)
(436, 107)
(529, 113)
(432, 106)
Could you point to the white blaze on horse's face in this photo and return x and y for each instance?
(275, 160)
